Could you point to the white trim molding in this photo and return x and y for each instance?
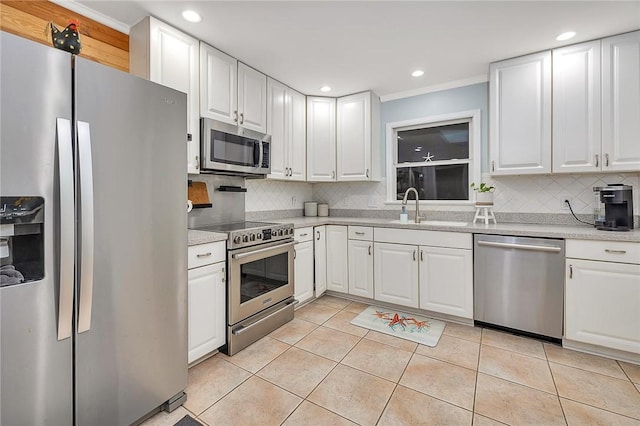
(92, 14)
(475, 150)
(435, 88)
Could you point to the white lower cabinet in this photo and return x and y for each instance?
(396, 273)
(602, 304)
(320, 259)
(446, 281)
(206, 287)
(303, 264)
(361, 268)
(337, 260)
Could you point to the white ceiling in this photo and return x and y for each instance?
(361, 45)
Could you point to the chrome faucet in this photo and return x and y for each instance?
(404, 203)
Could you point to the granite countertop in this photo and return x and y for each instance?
(582, 232)
(201, 237)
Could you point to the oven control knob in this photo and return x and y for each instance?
(245, 238)
(290, 231)
(252, 237)
(259, 235)
(237, 239)
(280, 233)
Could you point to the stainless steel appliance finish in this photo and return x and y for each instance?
(101, 339)
(229, 149)
(248, 234)
(519, 283)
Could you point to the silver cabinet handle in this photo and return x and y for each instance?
(369, 250)
(421, 255)
(67, 225)
(597, 160)
(520, 246)
(318, 235)
(201, 255)
(86, 228)
(359, 233)
(197, 162)
(615, 251)
(606, 160)
(570, 271)
(414, 255)
(242, 118)
(304, 235)
(224, 275)
(333, 174)
(235, 116)
(367, 173)
(294, 254)
(493, 166)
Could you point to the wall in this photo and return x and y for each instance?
(100, 43)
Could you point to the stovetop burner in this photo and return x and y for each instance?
(246, 234)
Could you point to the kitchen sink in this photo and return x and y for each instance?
(432, 223)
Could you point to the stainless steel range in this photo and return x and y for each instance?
(259, 280)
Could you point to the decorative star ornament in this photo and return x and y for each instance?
(428, 157)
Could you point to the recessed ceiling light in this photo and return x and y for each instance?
(566, 36)
(325, 89)
(191, 16)
(417, 73)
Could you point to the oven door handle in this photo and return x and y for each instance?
(263, 250)
(242, 329)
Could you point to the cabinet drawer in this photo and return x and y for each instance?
(361, 233)
(206, 254)
(609, 251)
(303, 234)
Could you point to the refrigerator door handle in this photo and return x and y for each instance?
(67, 224)
(86, 227)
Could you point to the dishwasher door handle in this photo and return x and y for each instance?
(520, 246)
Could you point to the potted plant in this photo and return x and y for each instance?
(484, 193)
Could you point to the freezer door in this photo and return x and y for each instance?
(36, 367)
(131, 346)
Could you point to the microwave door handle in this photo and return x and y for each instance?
(257, 153)
(261, 155)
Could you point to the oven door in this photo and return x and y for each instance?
(259, 277)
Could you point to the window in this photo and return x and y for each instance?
(438, 156)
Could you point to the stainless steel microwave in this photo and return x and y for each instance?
(229, 149)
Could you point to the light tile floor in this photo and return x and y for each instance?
(321, 370)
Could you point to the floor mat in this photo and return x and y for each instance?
(188, 421)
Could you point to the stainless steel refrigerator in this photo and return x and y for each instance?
(93, 186)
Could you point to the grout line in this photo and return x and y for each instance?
(553, 378)
(602, 409)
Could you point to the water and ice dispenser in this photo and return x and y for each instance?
(21, 240)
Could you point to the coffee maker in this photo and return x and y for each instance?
(614, 207)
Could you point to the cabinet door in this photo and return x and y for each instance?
(173, 62)
(446, 281)
(277, 127)
(252, 99)
(321, 139)
(218, 85)
(353, 137)
(396, 273)
(520, 115)
(320, 259)
(577, 138)
(602, 304)
(303, 271)
(207, 315)
(337, 262)
(361, 268)
(298, 136)
(621, 102)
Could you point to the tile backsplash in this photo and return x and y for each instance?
(514, 194)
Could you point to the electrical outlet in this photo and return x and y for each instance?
(293, 201)
(373, 201)
(564, 200)
(345, 202)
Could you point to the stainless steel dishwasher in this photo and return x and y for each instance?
(519, 283)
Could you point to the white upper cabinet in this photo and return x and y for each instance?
(321, 139)
(218, 74)
(576, 109)
(162, 54)
(231, 91)
(286, 123)
(252, 99)
(621, 102)
(358, 137)
(520, 115)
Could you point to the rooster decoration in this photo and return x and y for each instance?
(67, 39)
